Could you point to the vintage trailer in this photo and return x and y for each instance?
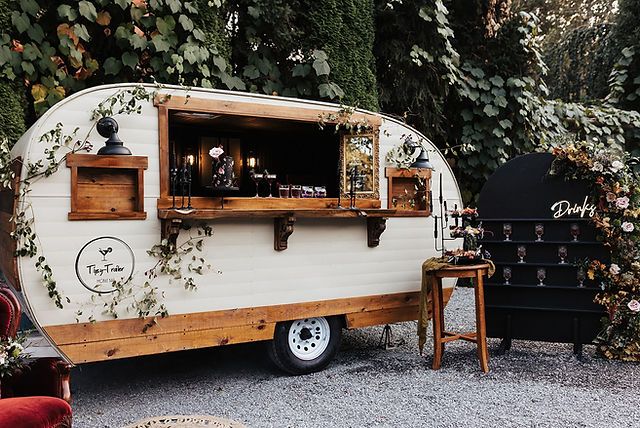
(290, 270)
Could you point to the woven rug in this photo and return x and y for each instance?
(186, 422)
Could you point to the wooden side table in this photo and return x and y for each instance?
(440, 336)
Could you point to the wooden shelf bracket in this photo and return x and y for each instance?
(171, 229)
(283, 228)
(375, 227)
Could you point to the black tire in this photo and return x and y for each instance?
(284, 358)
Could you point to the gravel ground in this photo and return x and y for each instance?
(534, 385)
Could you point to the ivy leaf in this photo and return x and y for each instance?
(506, 123)
(130, 59)
(165, 25)
(320, 55)
(31, 52)
(30, 6)
(138, 42)
(39, 92)
(500, 101)
(104, 18)
(186, 23)
(174, 5)
(497, 81)
(490, 110)
(254, 12)
(36, 33)
(88, 10)
(220, 62)
(251, 71)
(28, 68)
(321, 67)
(301, 70)
(189, 6)
(81, 31)
(123, 3)
(21, 21)
(467, 114)
(199, 35)
(160, 43)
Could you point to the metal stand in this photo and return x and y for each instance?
(386, 340)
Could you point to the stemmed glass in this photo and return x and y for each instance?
(522, 252)
(541, 274)
(506, 273)
(581, 276)
(269, 178)
(539, 231)
(575, 231)
(562, 253)
(256, 177)
(507, 229)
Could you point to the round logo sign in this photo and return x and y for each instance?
(102, 261)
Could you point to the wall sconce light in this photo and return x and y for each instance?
(422, 161)
(252, 161)
(108, 128)
(190, 159)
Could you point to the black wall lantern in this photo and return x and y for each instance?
(422, 161)
(108, 128)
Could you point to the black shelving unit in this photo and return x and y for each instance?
(521, 193)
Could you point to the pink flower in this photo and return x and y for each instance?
(634, 305)
(622, 202)
(628, 227)
(216, 152)
(614, 269)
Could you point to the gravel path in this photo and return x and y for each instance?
(534, 385)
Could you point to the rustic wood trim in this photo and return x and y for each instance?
(122, 328)
(140, 194)
(122, 215)
(409, 173)
(282, 228)
(86, 160)
(375, 192)
(8, 245)
(170, 229)
(375, 227)
(163, 147)
(157, 344)
(255, 109)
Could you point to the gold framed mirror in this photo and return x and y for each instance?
(359, 159)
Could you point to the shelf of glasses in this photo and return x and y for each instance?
(534, 242)
(534, 264)
(540, 220)
(535, 286)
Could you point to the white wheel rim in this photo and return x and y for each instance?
(309, 338)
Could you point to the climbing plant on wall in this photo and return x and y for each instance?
(58, 48)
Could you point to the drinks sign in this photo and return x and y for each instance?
(566, 208)
(102, 261)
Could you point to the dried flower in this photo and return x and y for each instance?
(611, 197)
(622, 202)
(614, 269)
(633, 305)
(628, 226)
(597, 166)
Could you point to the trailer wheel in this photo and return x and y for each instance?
(305, 345)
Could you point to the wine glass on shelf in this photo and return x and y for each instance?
(575, 231)
(269, 178)
(581, 276)
(563, 252)
(541, 274)
(256, 177)
(521, 252)
(506, 274)
(507, 229)
(539, 229)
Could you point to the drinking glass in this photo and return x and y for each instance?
(539, 229)
(283, 190)
(270, 178)
(256, 177)
(507, 229)
(320, 192)
(581, 276)
(506, 273)
(575, 231)
(296, 191)
(522, 252)
(562, 253)
(541, 274)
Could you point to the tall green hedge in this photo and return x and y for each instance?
(345, 30)
(12, 108)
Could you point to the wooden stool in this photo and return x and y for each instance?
(440, 336)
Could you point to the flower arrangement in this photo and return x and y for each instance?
(615, 189)
(12, 355)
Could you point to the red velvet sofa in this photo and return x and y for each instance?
(33, 397)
